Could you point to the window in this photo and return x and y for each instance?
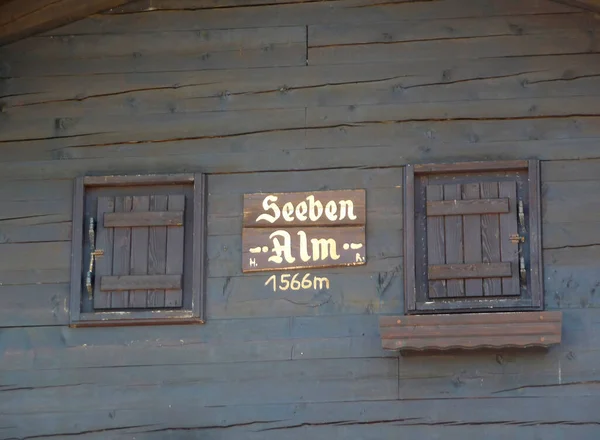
(472, 237)
(138, 250)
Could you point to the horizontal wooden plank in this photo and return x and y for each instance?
(464, 331)
(149, 218)
(302, 248)
(34, 304)
(350, 12)
(318, 208)
(466, 207)
(474, 270)
(249, 383)
(554, 417)
(140, 282)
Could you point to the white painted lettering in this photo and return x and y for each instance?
(322, 248)
(279, 249)
(312, 205)
(330, 210)
(288, 212)
(266, 206)
(303, 246)
(301, 211)
(347, 204)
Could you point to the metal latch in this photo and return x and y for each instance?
(516, 238)
(94, 253)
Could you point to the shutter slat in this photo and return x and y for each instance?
(478, 270)
(104, 242)
(472, 232)
(157, 251)
(490, 240)
(467, 207)
(140, 282)
(453, 226)
(148, 218)
(121, 253)
(139, 251)
(175, 252)
(508, 225)
(436, 247)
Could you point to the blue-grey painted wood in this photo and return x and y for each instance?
(295, 96)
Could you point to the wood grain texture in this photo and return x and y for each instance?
(400, 83)
(138, 219)
(157, 249)
(454, 241)
(476, 270)
(436, 241)
(467, 207)
(444, 332)
(490, 240)
(140, 282)
(473, 239)
(23, 19)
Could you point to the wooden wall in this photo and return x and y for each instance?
(343, 93)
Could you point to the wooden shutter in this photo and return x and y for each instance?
(469, 230)
(472, 237)
(138, 250)
(141, 238)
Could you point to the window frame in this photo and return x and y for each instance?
(195, 314)
(412, 305)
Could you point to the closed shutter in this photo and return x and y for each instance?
(141, 238)
(471, 240)
(472, 237)
(138, 250)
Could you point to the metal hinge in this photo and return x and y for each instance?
(521, 210)
(94, 253)
(516, 238)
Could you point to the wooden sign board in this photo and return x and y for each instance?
(303, 230)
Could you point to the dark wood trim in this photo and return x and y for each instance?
(22, 18)
(145, 218)
(410, 298)
(536, 269)
(146, 179)
(199, 250)
(467, 207)
(470, 166)
(76, 249)
(475, 270)
(140, 282)
(120, 318)
(471, 331)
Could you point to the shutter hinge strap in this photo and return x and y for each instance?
(89, 279)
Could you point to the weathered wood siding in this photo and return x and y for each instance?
(344, 93)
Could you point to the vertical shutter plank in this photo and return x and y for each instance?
(435, 242)
(472, 234)
(490, 238)
(157, 250)
(139, 252)
(121, 251)
(509, 250)
(454, 241)
(104, 242)
(175, 251)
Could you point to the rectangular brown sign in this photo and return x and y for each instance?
(296, 248)
(317, 208)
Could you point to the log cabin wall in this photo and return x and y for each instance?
(295, 96)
